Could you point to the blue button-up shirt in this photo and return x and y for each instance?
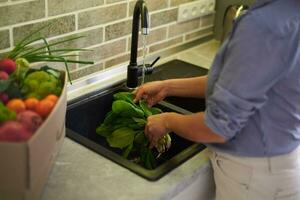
(253, 89)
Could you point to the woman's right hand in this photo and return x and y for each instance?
(152, 92)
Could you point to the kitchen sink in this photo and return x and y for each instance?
(85, 114)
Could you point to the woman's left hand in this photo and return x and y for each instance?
(156, 128)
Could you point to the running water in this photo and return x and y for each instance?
(144, 38)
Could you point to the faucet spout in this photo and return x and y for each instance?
(140, 12)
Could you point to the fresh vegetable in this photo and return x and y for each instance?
(30, 119)
(147, 158)
(21, 71)
(31, 103)
(121, 137)
(39, 84)
(52, 97)
(3, 75)
(44, 107)
(27, 95)
(7, 65)
(6, 114)
(4, 97)
(125, 109)
(16, 105)
(12, 85)
(123, 128)
(13, 131)
(46, 52)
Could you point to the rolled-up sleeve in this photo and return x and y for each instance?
(254, 61)
(226, 113)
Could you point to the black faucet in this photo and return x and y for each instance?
(133, 69)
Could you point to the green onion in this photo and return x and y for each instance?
(24, 49)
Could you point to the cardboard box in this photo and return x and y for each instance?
(25, 166)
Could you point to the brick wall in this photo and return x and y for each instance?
(106, 23)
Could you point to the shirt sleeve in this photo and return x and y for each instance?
(253, 62)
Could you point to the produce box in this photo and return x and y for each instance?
(33, 104)
(25, 166)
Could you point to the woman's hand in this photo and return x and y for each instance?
(152, 92)
(156, 128)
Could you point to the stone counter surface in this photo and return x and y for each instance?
(81, 174)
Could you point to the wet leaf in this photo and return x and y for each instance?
(145, 108)
(155, 110)
(126, 109)
(121, 137)
(126, 96)
(127, 150)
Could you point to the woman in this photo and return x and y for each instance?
(252, 117)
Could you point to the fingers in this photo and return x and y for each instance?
(154, 130)
(150, 101)
(151, 137)
(152, 92)
(139, 92)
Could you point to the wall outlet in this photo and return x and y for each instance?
(195, 9)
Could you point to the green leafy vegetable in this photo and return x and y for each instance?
(121, 137)
(47, 52)
(12, 86)
(21, 70)
(110, 117)
(141, 139)
(123, 128)
(155, 110)
(126, 109)
(127, 150)
(104, 130)
(126, 96)
(145, 108)
(147, 158)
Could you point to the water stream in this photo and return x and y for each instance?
(144, 42)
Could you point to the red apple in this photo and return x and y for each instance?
(13, 131)
(3, 75)
(8, 65)
(30, 119)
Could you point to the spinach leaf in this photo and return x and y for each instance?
(140, 121)
(136, 126)
(155, 110)
(125, 96)
(150, 162)
(126, 109)
(141, 139)
(124, 127)
(147, 158)
(127, 151)
(104, 130)
(121, 137)
(145, 108)
(110, 117)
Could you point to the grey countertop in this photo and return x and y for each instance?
(79, 173)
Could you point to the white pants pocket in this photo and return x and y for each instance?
(232, 178)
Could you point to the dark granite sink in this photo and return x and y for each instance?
(85, 114)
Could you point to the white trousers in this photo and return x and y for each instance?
(246, 178)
